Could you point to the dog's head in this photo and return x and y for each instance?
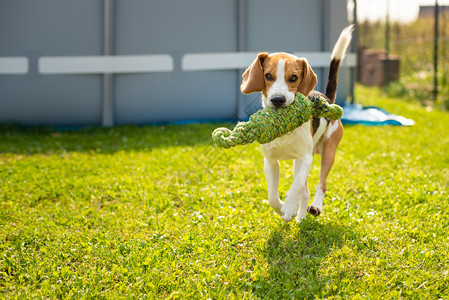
(278, 76)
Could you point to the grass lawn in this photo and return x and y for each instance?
(157, 211)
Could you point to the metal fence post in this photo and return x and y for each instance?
(241, 30)
(435, 57)
(108, 107)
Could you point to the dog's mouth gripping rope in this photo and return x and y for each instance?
(268, 124)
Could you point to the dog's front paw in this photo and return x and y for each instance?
(301, 215)
(314, 210)
(276, 204)
(289, 211)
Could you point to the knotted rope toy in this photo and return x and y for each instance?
(268, 124)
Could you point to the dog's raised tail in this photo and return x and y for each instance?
(338, 54)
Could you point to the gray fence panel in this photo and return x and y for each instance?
(50, 27)
(53, 100)
(46, 28)
(281, 26)
(175, 27)
(173, 97)
(286, 26)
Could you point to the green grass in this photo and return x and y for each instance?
(159, 212)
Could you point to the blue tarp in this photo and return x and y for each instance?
(372, 116)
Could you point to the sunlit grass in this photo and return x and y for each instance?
(158, 211)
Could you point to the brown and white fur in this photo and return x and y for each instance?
(278, 76)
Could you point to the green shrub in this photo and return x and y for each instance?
(414, 44)
(420, 87)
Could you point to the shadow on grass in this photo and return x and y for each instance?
(34, 140)
(295, 254)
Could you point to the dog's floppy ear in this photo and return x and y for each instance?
(253, 80)
(308, 80)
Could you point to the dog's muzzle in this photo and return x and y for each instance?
(278, 101)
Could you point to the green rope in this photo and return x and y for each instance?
(268, 124)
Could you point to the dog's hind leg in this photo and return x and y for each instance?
(327, 152)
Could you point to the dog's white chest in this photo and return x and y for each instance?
(289, 146)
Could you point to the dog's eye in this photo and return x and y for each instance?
(268, 77)
(293, 78)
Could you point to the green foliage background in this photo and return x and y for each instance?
(414, 43)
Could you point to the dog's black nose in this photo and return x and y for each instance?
(278, 101)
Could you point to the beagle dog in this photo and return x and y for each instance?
(278, 76)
